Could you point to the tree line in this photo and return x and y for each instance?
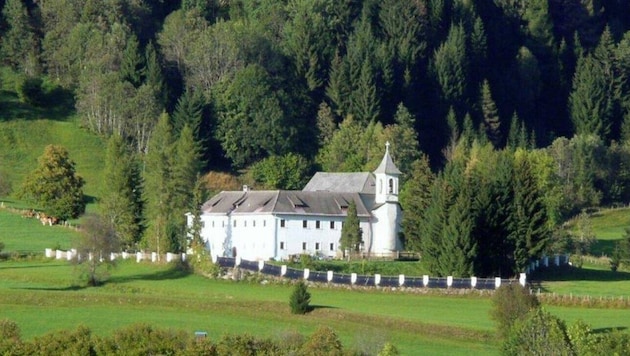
(506, 116)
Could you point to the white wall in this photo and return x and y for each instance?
(386, 227)
(312, 240)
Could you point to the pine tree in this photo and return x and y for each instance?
(188, 111)
(121, 203)
(350, 232)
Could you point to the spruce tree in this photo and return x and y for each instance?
(300, 299)
(415, 197)
(19, 42)
(528, 222)
(121, 203)
(590, 101)
(159, 190)
(491, 120)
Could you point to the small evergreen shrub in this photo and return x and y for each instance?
(300, 299)
(324, 341)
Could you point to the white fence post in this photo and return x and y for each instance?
(473, 282)
(329, 276)
(353, 278)
(497, 282)
(377, 279)
(283, 270)
(425, 280)
(307, 272)
(522, 279)
(401, 280)
(449, 281)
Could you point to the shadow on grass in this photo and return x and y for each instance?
(58, 105)
(570, 273)
(55, 289)
(174, 272)
(315, 307)
(609, 330)
(603, 247)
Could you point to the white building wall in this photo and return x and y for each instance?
(386, 225)
(262, 237)
(301, 234)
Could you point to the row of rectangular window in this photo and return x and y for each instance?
(318, 224)
(283, 246)
(283, 223)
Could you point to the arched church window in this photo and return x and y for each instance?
(391, 186)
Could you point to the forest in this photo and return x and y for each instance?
(507, 117)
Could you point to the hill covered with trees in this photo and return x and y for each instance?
(506, 116)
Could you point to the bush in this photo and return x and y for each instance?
(539, 333)
(511, 302)
(300, 299)
(324, 341)
(10, 336)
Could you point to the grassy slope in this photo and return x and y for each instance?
(25, 131)
(28, 235)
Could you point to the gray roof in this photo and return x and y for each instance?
(287, 202)
(387, 165)
(362, 182)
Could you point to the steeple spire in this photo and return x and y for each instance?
(387, 165)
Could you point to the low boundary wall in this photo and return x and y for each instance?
(376, 280)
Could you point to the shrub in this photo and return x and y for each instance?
(324, 341)
(10, 336)
(388, 350)
(246, 345)
(511, 302)
(539, 333)
(77, 342)
(142, 339)
(300, 299)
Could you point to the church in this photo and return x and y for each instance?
(276, 224)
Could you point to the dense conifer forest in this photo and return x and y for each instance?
(506, 116)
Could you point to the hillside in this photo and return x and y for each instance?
(25, 131)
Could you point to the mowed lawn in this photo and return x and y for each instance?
(42, 296)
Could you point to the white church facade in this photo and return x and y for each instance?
(277, 224)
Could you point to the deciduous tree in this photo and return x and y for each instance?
(98, 240)
(54, 184)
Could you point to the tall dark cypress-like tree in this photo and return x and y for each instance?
(350, 232)
(121, 203)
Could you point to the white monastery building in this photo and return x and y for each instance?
(275, 224)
